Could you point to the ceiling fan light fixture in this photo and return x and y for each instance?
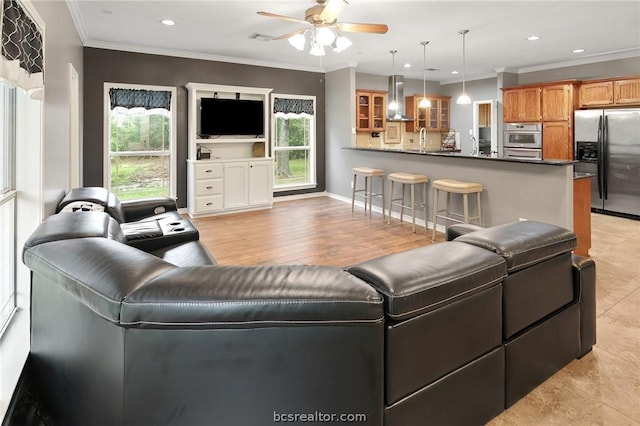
(316, 49)
(341, 44)
(325, 36)
(298, 41)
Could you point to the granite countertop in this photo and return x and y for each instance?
(458, 154)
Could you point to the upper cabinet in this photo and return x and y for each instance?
(596, 94)
(521, 105)
(371, 109)
(557, 102)
(626, 92)
(434, 118)
(611, 92)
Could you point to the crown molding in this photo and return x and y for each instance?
(76, 17)
(587, 59)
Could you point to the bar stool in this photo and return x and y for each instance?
(368, 174)
(413, 180)
(451, 186)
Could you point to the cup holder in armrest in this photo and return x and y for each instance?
(172, 232)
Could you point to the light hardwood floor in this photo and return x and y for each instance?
(602, 388)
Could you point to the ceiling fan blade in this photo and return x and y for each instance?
(362, 28)
(332, 9)
(287, 35)
(286, 18)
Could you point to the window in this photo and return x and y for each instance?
(140, 153)
(293, 144)
(7, 205)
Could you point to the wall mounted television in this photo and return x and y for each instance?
(220, 117)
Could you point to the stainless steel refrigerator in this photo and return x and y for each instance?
(607, 144)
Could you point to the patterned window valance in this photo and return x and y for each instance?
(293, 106)
(22, 61)
(134, 98)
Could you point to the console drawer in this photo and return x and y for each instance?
(209, 170)
(209, 203)
(208, 187)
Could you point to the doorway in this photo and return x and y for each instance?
(485, 126)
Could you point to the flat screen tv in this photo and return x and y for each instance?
(220, 117)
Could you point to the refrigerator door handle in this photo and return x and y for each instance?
(600, 157)
(605, 155)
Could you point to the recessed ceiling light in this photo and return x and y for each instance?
(577, 51)
(407, 65)
(168, 22)
(533, 38)
(454, 72)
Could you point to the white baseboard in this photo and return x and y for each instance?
(299, 196)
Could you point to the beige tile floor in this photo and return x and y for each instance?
(602, 388)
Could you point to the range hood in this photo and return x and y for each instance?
(396, 91)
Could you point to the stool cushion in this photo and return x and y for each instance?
(523, 244)
(426, 278)
(368, 171)
(408, 178)
(451, 185)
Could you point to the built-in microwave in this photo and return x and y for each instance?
(522, 135)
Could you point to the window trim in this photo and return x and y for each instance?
(312, 147)
(173, 149)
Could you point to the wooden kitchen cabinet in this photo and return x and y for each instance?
(557, 102)
(522, 105)
(557, 140)
(434, 118)
(371, 110)
(626, 92)
(596, 94)
(610, 92)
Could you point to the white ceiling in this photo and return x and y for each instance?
(219, 30)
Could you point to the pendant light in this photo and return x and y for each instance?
(424, 102)
(393, 105)
(464, 98)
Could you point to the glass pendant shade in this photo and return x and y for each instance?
(298, 41)
(424, 103)
(463, 99)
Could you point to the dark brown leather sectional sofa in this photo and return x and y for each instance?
(133, 332)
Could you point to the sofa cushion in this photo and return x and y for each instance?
(97, 271)
(423, 279)
(252, 297)
(523, 244)
(66, 226)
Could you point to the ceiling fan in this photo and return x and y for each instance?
(323, 27)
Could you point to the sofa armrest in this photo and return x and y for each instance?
(140, 209)
(454, 231)
(584, 279)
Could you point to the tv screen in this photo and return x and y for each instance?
(231, 117)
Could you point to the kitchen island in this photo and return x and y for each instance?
(514, 189)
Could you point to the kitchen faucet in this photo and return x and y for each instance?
(423, 139)
(474, 146)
